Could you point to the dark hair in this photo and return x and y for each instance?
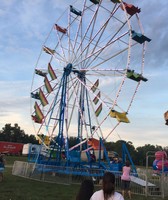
(108, 184)
(86, 190)
(127, 163)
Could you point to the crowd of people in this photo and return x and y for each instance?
(108, 192)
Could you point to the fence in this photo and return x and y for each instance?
(144, 183)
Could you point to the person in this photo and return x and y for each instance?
(2, 160)
(2, 166)
(126, 179)
(86, 190)
(108, 191)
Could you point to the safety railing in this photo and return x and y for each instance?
(146, 183)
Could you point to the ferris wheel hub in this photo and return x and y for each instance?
(68, 69)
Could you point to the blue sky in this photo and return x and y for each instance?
(24, 26)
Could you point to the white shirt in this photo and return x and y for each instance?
(100, 196)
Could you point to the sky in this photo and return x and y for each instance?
(24, 26)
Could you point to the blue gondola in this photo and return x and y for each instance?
(95, 1)
(76, 12)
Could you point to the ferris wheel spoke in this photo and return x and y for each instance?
(72, 53)
(97, 33)
(107, 115)
(96, 119)
(80, 110)
(104, 103)
(110, 103)
(61, 46)
(110, 42)
(73, 106)
(101, 33)
(79, 25)
(107, 59)
(86, 35)
(60, 58)
(70, 101)
(89, 37)
(55, 101)
(72, 42)
(112, 130)
(56, 55)
(106, 72)
(99, 51)
(133, 96)
(87, 29)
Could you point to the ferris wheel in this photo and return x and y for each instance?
(88, 72)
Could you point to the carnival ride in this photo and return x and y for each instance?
(85, 81)
(166, 117)
(160, 164)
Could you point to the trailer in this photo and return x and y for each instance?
(11, 148)
(34, 151)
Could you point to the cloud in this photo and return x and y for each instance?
(15, 104)
(156, 27)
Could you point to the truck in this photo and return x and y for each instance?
(11, 148)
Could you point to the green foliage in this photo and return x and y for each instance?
(138, 154)
(142, 152)
(72, 141)
(15, 134)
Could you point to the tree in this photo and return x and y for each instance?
(15, 134)
(73, 141)
(142, 151)
(117, 147)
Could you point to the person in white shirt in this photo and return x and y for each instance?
(108, 191)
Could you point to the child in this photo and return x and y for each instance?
(125, 179)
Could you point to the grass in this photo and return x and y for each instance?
(17, 188)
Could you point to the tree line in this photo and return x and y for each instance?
(16, 134)
(138, 154)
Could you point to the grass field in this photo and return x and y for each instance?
(16, 188)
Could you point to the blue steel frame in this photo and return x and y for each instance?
(70, 160)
